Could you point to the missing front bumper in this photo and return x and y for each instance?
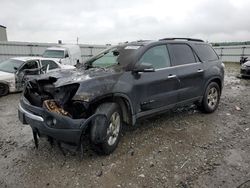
(55, 126)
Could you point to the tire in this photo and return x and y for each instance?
(4, 89)
(105, 137)
(211, 98)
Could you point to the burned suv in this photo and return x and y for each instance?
(119, 86)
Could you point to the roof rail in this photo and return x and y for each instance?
(188, 39)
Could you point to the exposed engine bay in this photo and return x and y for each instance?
(43, 93)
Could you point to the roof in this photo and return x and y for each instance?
(56, 48)
(2, 26)
(147, 42)
(28, 58)
(64, 46)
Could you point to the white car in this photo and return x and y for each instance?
(13, 71)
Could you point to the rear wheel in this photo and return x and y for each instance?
(4, 89)
(211, 98)
(105, 137)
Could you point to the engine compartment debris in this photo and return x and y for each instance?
(52, 106)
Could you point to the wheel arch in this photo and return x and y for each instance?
(122, 100)
(4, 82)
(7, 84)
(217, 80)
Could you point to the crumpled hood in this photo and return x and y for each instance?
(65, 77)
(5, 76)
(80, 84)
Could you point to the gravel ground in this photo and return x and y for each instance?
(185, 148)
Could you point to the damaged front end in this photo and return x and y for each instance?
(51, 112)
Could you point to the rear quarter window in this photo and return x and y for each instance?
(206, 52)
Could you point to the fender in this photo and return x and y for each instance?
(4, 82)
(208, 81)
(122, 95)
(11, 86)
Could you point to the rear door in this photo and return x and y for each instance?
(156, 89)
(190, 71)
(49, 65)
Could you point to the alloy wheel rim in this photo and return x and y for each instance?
(114, 128)
(212, 97)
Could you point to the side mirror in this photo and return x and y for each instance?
(143, 67)
(66, 55)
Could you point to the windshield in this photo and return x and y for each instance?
(54, 54)
(106, 59)
(10, 65)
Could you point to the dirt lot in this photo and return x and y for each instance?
(184, 148)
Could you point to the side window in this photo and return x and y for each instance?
(206, 52)
(30, 65)
(181, 54)
(51, 64)
(156, 56)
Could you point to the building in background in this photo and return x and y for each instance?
(3, 33)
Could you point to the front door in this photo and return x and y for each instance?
(156, 90)
(28, 70)
(49, 66)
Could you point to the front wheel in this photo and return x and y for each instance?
(105, 137)
(4, 89)
(211, 98)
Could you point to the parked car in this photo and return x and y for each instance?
(120, 86)
(14, 71)
(245, 67)
(67, 54)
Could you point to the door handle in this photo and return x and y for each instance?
(171, 76)
(200, 70)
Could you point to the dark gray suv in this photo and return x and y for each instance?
(119, 86)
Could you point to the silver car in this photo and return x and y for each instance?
(14, 70)
(245, 69)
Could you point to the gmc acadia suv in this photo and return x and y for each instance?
(119, 86)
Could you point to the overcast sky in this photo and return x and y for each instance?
(113, 21)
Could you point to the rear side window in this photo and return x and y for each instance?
(51, 64)
(181, 54)
(156, 56)
(206, 52)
